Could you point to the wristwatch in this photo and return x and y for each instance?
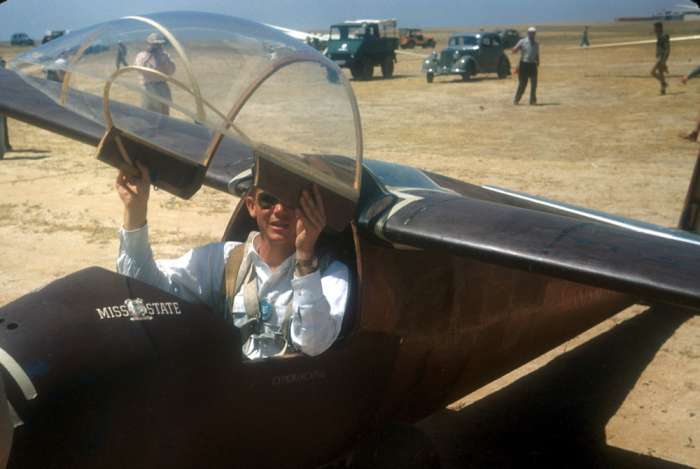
(306, 266)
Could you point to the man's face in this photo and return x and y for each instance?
(276, 222)
(531, 34)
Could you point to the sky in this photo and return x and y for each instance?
(36, 16)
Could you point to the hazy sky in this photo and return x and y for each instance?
(36, 16)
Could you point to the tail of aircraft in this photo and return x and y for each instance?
(690, 217)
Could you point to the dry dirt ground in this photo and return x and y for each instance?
(602, 137)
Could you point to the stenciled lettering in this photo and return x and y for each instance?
(153, 309)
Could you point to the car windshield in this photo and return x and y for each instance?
(463, 41)
(346, 32)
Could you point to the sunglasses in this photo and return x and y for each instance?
(267, 201)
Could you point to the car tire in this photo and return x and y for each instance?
(503, 68)
(469, 72)
(388, 67)
(356, 70)
(429, 77)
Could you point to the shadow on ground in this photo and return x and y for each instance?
(18, 158)
(29, 150)
(556, 416)
(379, 77)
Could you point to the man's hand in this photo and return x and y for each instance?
(134, 192)
(684, 79)
(311, 219)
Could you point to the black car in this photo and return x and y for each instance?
(21, 39)
(509, 38)
(468, 54)
(51, 35)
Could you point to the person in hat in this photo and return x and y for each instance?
(663, 50)
(157, 94)
(282, 293)
(529, 50)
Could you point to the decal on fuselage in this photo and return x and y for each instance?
(138, 310)
(299, 378)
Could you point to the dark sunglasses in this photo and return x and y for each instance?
(267, 201)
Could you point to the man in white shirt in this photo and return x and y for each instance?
(529, 50)
(155, 58)
(291, 303)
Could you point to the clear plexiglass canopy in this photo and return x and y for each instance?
(183, 80)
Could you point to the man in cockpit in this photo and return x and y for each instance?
(274, 287)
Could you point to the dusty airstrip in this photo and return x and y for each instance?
(601, 137)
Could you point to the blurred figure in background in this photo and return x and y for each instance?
(121, 55)
(584, 37)
(157, 96)
(663, 50)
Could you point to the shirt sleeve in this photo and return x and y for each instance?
(195, 277)
(319, 303)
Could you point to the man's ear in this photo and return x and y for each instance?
(250, 204)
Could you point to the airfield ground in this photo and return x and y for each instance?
(602, 137)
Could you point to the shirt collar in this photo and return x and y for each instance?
(257, 260)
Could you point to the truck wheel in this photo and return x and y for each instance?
(367, 69)
(388, 67)
(503, 68)
(356, 70)
(468, 73)
(429, 77)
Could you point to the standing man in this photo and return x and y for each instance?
(157, 96)
(529, 50)
(663, 50)
(121, 55)
(584, 37)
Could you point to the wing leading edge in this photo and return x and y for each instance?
(586, 251)
(25, 103)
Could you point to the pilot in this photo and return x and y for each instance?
(156, 58)
(286, 296)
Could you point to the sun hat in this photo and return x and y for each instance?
(155, 38)
(531, 29)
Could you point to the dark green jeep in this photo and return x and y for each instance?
(468, 54)
(361, 45)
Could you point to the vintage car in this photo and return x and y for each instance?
(21, 39)
(51, 35)
(414, 37)
(360, 45)
(509, 37)
(468, 54)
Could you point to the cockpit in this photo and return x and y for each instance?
(197, 97)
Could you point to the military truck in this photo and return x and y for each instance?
(414, 37)
(361, 45)
(468, 54)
